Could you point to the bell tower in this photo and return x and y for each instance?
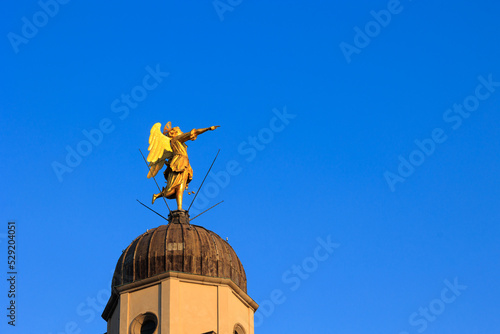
(179, 279)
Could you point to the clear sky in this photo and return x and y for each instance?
(359, 155)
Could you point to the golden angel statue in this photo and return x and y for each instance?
(169, 148)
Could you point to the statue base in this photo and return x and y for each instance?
(178, 217)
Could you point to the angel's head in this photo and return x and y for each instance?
(171, 132)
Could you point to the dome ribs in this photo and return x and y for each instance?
(136, 258)
(191, 252)
(208, 250)
(180, 247)
(117, 276)
(199, 257)
(224, 258)
(152, 253)
(174, 251)
(157, 263)
(142, 256)
(128, 263)
(234, 270)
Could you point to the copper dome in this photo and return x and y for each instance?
(179, 247)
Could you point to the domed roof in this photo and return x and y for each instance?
(179, 247)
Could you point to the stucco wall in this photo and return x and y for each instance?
(184, 306)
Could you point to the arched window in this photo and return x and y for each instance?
(145, 323)
(238, 329)
(148, 327)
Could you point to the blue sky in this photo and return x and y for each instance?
(359, 154)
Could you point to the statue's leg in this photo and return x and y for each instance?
(162, 193)
(180, 190)
(169, 177)
(156, 196)
(178, 181)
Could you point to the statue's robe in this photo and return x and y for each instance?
(179, 170)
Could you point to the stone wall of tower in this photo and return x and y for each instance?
(184, 305)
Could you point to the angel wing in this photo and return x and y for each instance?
(159, 150)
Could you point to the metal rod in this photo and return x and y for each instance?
(206, 210)
(155, 181)
(152, 210)
(199, 189)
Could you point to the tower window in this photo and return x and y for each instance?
(148, 327)
(145, 323)
(238, 329)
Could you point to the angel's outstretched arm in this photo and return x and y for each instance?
(191, 135)
(200, 131)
